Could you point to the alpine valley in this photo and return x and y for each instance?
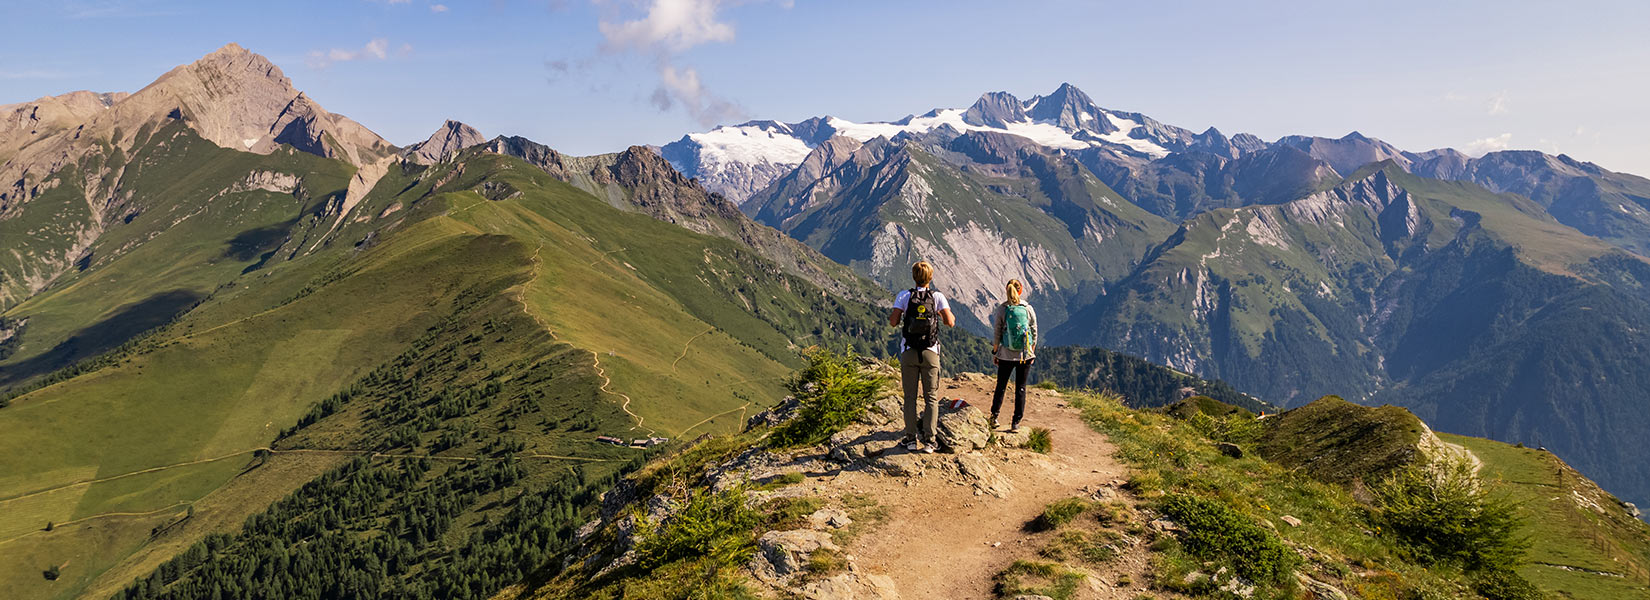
(1501, 296)
(251, 349)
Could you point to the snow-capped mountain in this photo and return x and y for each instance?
(738, 161)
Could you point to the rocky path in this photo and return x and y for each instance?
(951, 521)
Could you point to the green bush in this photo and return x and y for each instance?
(1059, 513)
(1440, 514)
(1040, 441)
(714, 525)
(1505, 584)
(1214, 531)
(833, 392)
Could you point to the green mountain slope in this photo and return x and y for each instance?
(1467, 306)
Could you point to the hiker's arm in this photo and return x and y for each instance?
(893, 317)
(997, 317)
(950, 319)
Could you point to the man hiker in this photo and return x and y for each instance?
(918, 313)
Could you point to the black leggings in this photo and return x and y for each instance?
(1020, 368)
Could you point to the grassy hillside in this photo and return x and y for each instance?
(1585, 545)
(669, 332)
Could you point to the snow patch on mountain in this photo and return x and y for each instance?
(749, 144)
(1121, 137)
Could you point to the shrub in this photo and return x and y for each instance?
(833, 392)
(1047, 384)
(1059, 513)
(1440, 514)
(1505, 584)
(714, 525)
(51, 573)
(1040, 441)
(1025, 577)
(1214, 531)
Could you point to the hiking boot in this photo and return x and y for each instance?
(913, 446)
(929, 448)
(1015, 428)
(994, 424)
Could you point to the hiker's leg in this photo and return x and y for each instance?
(1021, 369)
(1003, 368)
(910, 371)
(931, 402)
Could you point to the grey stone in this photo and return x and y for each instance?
(1291, 520)
(853, 585)
(900, 464)
(834, 518)
(784, 553)
(964, 430)
(1230, 449)
(1319, 589)
(986, 479)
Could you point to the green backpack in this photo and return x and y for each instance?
(1016, 326)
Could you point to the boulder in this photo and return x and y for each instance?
(784, 553)
(1291, 520)
(964, 430)
(853, 585)
(899, 464)
(784, 411)
(847, 448)
(1319, 589)
(834, 518)
(1230, 449)
(978, 471)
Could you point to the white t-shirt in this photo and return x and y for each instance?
(940, 305)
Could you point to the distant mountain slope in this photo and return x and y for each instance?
(1469, 307)
(982, 206)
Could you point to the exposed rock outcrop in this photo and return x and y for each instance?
(445, 142)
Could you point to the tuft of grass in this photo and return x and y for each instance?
(1040, 441)
(716, 526)
(1059, 513)
(780, 481)
(1037, 578)
(1047, 384)
(1091, 547)
(833, 391)
(825, 562)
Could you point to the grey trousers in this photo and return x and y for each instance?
(920, 367)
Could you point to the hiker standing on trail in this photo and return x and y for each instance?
(918, 313)
(1013, 349)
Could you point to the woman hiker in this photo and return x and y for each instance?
(919, 312)
(1013, 349)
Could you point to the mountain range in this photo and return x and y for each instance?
(249, 346)
(1293, 269)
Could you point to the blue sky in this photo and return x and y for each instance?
(588, 76)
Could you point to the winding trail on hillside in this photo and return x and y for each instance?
(708, 419)
(596, 359)
(606, 254)
(107, 515)
(685, 347)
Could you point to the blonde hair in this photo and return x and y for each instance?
(922, 273)
(1015, 289)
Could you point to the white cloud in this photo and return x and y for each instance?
(670, 26)
(683, 87)
(1498, 103)
(1480, 147)
(377, 49)
(438, 8)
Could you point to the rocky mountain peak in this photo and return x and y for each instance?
(451, 137)
(995, 109)
(1070, 109)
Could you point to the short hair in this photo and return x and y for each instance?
(922, 273)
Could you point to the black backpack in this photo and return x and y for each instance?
(922, 325)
